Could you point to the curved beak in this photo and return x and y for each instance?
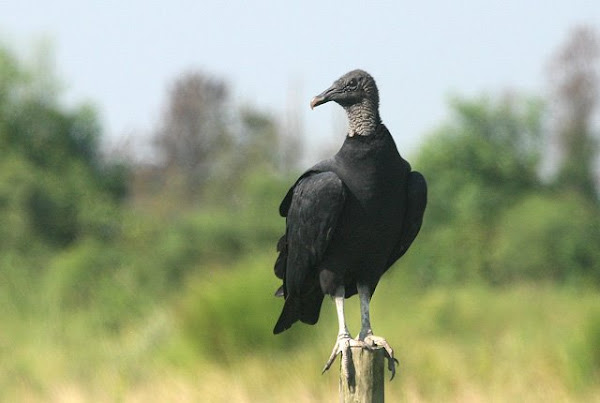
(323, 97)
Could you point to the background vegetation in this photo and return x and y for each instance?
(151, 280)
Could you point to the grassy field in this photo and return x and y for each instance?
(213, 342)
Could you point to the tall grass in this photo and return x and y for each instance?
(213, 342)
(467, 343)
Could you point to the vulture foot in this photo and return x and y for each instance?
(371, 341)
(343, 346)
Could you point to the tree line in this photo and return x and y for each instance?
(513, 185)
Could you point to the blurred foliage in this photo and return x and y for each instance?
(490, 217)
(547, 238)
(483, 159)
(55, 187)
(216, 310)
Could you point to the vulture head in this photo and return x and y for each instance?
(357, 93)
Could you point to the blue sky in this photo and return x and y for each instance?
(122, 55)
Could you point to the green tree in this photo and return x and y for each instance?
(547, 237)
(489, 216)
(55, 186)
(477, 165)
(483, 159)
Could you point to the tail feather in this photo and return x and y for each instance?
(289, 315)
(305, 308)
(311, 306)
(281, 262)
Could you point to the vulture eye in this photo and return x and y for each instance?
(352, 84)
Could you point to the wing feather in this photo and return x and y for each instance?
(316, 203)
(413, 218)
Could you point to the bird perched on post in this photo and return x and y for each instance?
(348, 219)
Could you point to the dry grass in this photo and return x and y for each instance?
(526, 343)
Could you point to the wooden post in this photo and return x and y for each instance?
(365, 381)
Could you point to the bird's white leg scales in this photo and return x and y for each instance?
(344, 341)
(342, 346)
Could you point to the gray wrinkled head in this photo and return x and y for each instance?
(357, 93)
(351, 88)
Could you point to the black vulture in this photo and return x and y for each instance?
(348, 219)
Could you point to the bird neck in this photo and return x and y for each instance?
(363, 119)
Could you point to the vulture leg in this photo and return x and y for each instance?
(344, 341)
(366, 333)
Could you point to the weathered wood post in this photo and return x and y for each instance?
(365, 381)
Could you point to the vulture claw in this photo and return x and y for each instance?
(372, 341)
(343, 347)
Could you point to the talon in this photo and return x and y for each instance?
(331, 359)
(342, 347)
(389, 353)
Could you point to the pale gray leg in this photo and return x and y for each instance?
(366, 333)
(340, 292)
(344, 340)
(365, 320)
